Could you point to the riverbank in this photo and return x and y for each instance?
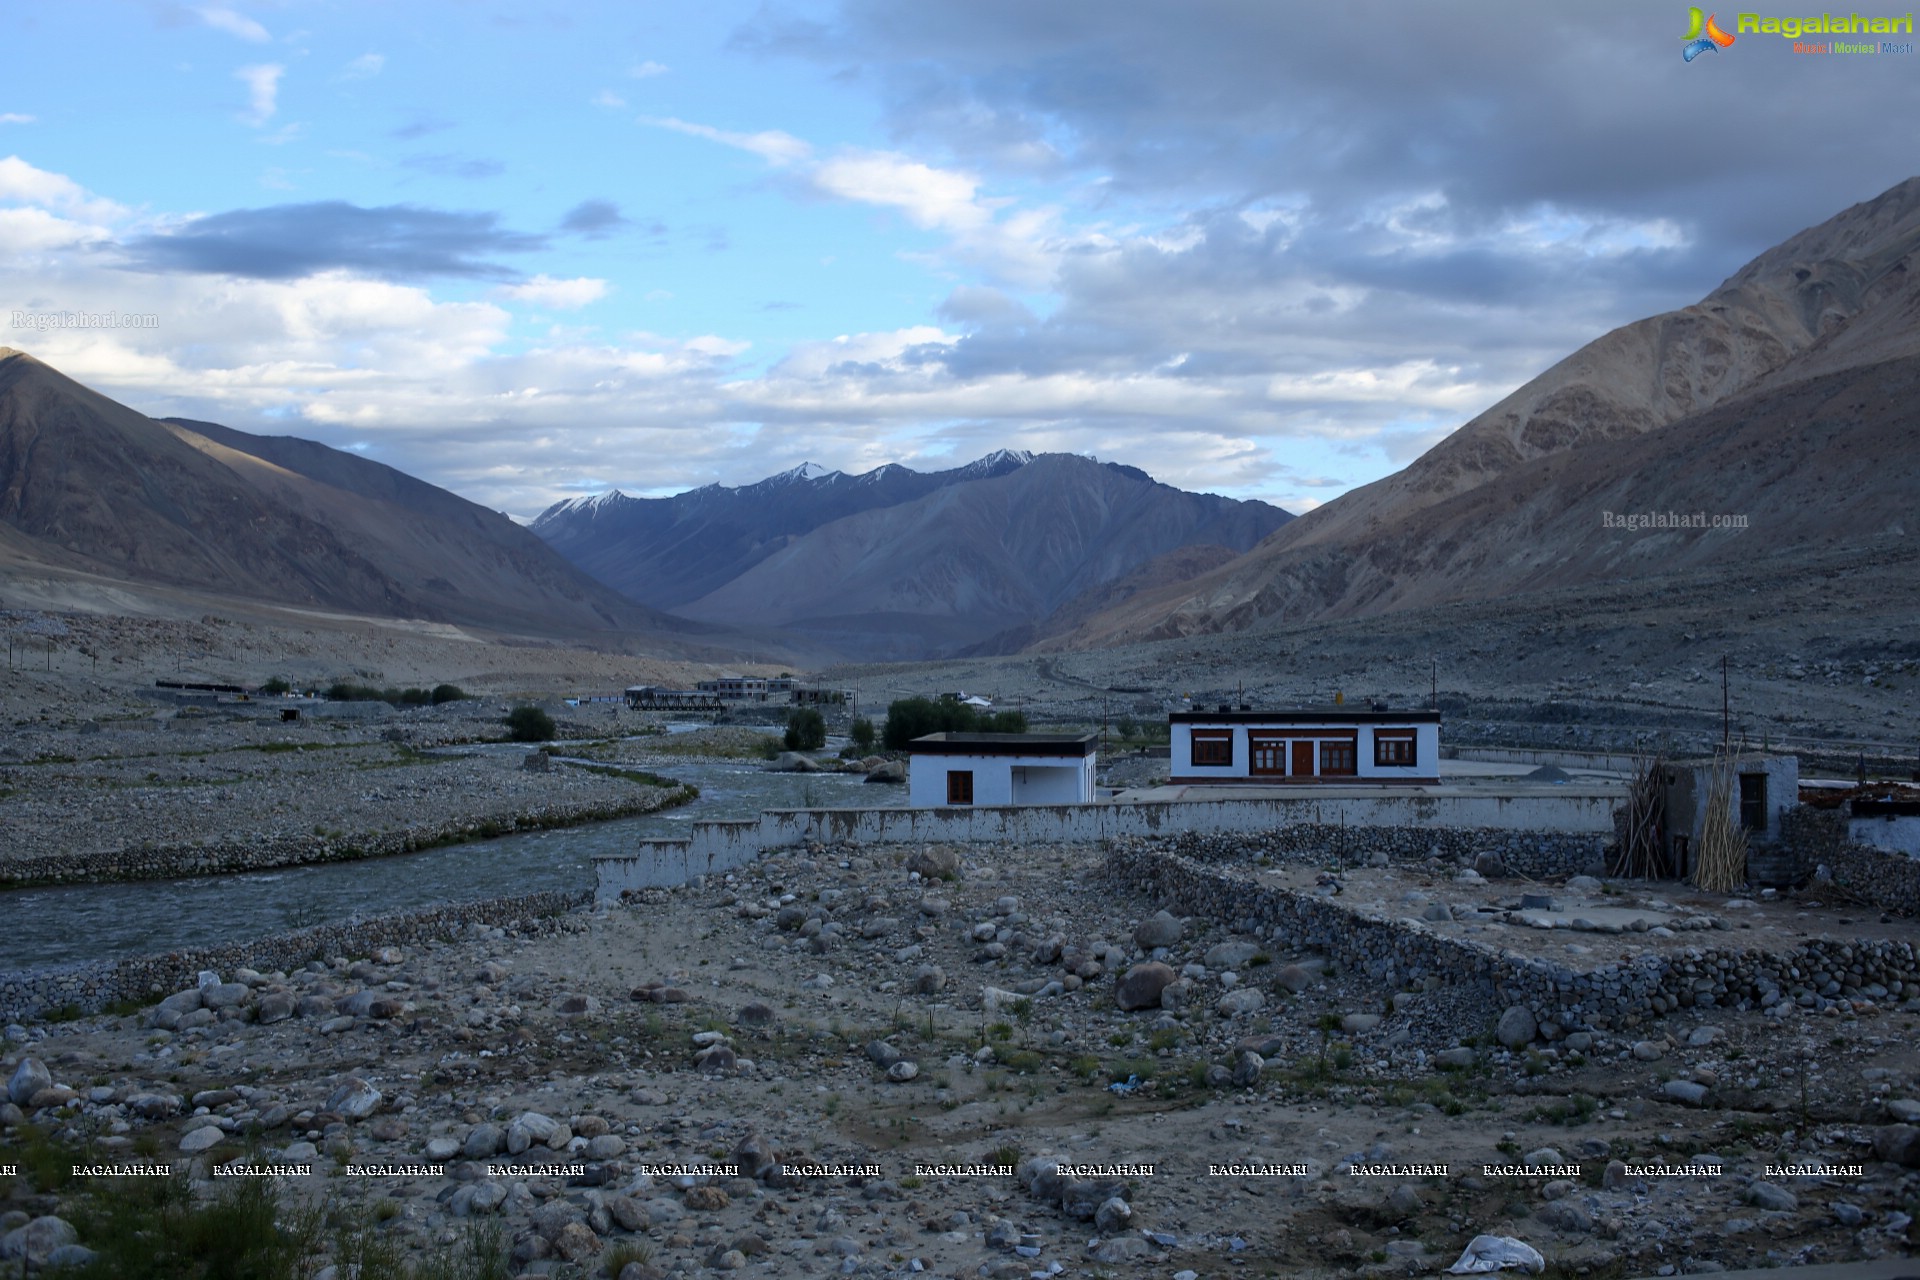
(151, 801)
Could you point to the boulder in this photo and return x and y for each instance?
(1140, 986)
(29, 1078)
(1242, 1001)
(35, 1242)
(1160, 929)
(1295, 978)
(792, 762)
(1231, 955)
(894, 771)
(353, 1099)
(1898, 1144)
(1516, 1027)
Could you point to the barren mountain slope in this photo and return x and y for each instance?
(1824, 304)
(88, 484)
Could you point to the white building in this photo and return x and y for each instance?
(1000, 769)
(1335, 745)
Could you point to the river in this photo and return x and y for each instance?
(67, 923)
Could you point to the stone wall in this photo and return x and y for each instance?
(1817, 974)
(1538, 855)
(91, 986)
(1822, 838)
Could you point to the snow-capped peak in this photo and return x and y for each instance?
(805, 471)
(1000, 460)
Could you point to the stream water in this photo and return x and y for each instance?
(67, 923)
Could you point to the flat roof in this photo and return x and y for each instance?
(1004, 744)
(1305, 715)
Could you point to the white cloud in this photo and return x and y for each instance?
(263, 91)
(773, 146)
(364, 67)
(235, 24)
(608, 98)
(930, 197)
(21, 183)
(15, 117)
(648, 69)
(564, 295)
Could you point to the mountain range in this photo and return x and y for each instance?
(1778, 408)
(899, 564)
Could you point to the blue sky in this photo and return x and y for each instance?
(528, 251)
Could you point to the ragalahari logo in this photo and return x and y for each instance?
(1703, 35)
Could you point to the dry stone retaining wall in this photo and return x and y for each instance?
(1408, 954)
(92, 986)
(1536, 854)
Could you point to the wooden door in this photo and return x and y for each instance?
(1302, 759)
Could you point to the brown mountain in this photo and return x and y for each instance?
(1779, 397)
(88, 485)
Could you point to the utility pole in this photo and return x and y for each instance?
(1433, 684)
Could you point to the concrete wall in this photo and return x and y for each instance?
(1599, 761)
(723, 846)
(1897, 834)
(997, 779)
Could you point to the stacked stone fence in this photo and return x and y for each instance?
(1409, 954)
(90, 986)
(1537, 855)
(1883, 880)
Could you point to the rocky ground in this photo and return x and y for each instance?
(855, 1029)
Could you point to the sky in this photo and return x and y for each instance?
(532, 251)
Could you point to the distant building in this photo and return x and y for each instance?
(735, 688)
(1000, 769)
(1762, 787)
(1301, 747)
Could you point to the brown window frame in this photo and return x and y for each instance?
(1396, 738)
(959, 786)
(1212, 738)
(1330, 761)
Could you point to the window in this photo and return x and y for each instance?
(1336, 759)
(1269, 754)
(1213, 747)
(1393, 749)
(1753, 801)
(959, 786)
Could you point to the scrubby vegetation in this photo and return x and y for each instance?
(806, 729)
(910, 718)
(346, 691)
(528, 723)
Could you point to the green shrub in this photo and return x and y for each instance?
(911, 718)
(528, 723)
(447, 693)
(276, 685)
(806, 729)
(862, 734)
